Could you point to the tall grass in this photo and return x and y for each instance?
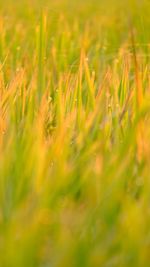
(74, 133)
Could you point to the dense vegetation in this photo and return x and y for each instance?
(74, 133)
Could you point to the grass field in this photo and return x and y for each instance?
(74, 133)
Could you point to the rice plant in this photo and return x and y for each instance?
(74, 133)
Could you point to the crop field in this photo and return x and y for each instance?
(74, 133)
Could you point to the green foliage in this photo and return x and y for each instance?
(74, 133)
